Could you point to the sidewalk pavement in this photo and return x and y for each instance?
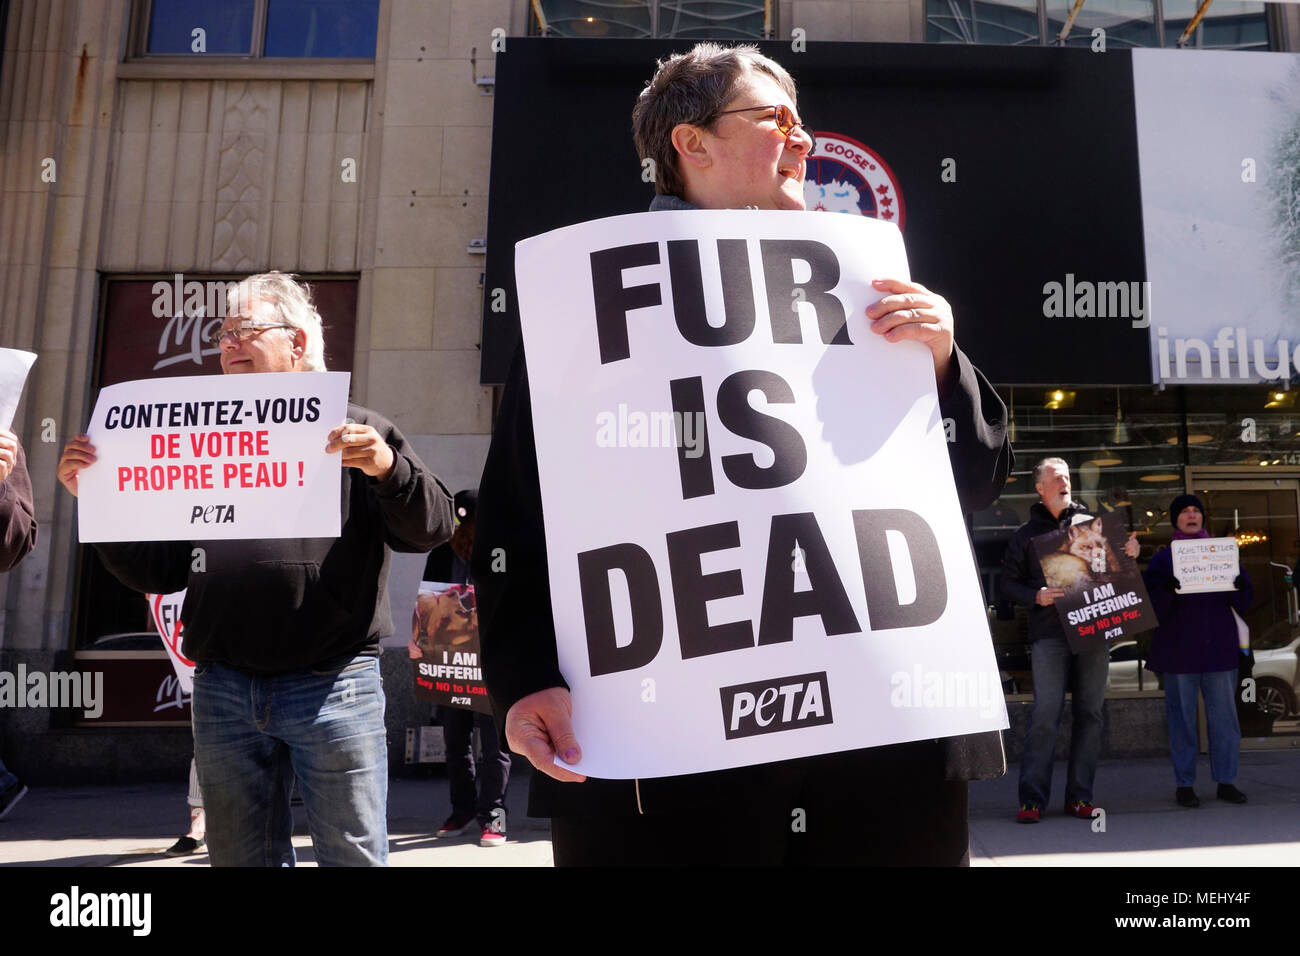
(131, 824)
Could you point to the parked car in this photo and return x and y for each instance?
(1277, 670)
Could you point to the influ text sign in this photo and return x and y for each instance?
(214, 456)
(751, 524)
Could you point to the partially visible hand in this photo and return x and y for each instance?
(1239, 582)
(912, 311)
(1173, 584)
(1131, 547)
(1048, 596)
(363, 448)
(540, 725)
(77, 454)
(8, 452)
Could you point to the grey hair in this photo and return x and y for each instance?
(1043, 465)
(292, 299)
(692, 88)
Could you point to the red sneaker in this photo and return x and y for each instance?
(1080, 809)
(455, 825)
(1028, 814)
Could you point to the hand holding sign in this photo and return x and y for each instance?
(78, 454)
(363, 448)
(914, 312)
(540, 726)
(8, 452)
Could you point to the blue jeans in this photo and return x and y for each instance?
(1052, 661)
(1220, 691)
(252, 735)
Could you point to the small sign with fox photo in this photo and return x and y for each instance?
(444, 649)
(1105, 599)
(1205, 564)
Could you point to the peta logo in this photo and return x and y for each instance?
(75, 908)
(782, 703)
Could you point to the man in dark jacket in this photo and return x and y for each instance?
(1022, 582)
(285, 632)
(17, 538)
(721, 128)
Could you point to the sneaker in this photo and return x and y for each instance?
(1230, 793)
(1081, 809)
(455, 825)
(491, 836)
(184, 846)
(10, 796)
(1187, 797)
(1028, 814)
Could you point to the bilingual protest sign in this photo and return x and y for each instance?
(755, 548)
(215, 457)
(1105, 599)
(166, 610)
(444, 648)
(1205, 564)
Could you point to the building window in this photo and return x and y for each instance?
(687, 19)
(1228, 25)
(284, 29)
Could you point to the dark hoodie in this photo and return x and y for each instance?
(1022, 575)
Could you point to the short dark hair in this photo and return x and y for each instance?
(692, 88)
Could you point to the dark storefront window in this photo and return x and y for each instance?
(137, 343)
(315, 29)
(1228, 25)
(702, 19)
(1132, 451)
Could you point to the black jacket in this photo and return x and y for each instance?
(272, 605)
(1022, 575)
(17, 515)
(517, 629)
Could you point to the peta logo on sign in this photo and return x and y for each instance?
(782, 703)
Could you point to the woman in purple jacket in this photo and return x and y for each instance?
(1196, 648)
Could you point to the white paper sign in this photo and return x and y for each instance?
(213, 457)
(166, 609)
(1205, 564)
(14, 366)
(699, 560)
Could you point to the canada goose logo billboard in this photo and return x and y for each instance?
(843, 175)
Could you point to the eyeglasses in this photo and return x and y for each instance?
(239, 334)
(785, 121)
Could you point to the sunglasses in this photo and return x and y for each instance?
(785, 121)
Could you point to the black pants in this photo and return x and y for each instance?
(492, 777)
(890, 806)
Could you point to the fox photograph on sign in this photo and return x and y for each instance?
(445, 658)
(753, 535)
(1105, 599)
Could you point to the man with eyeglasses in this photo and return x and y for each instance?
(723, 130)
(286, 632)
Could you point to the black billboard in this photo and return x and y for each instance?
(1010, 168)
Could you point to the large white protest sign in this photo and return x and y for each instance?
(14, 366)
(756, 551)
(215, 456)
(1205, 564)
(166, 610)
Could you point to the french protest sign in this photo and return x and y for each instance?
(445, 658)
(245, 460)
(753, 537)
(166, 609)
(1205, 564)
(1105, 599)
